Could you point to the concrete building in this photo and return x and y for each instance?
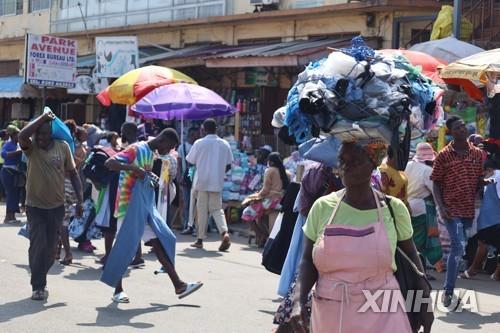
(255, 47)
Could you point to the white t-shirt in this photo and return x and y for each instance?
(210, 155)
(419, 186)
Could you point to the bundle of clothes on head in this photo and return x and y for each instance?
(359, 94)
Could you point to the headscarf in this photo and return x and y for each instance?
(375, 149)
(12, 129)
(424, 153)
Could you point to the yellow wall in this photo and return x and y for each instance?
(18, 25)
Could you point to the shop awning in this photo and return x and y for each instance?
(189, 56)
(14, 87)
(293, 53)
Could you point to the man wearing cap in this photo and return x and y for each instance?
(421, 202)
(212, 157)
(12, 157)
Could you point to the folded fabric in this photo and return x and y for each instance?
(323, 150)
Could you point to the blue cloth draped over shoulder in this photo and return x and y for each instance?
(141, 210)
(294, 254)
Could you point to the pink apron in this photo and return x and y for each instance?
(349, 260)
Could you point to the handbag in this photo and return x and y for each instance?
(408, 276)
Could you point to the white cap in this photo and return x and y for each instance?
(267, 147)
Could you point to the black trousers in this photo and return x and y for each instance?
(44, 227)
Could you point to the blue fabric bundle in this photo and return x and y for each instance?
(359, 50)
(60, 131)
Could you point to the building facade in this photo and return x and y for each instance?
(247, 50)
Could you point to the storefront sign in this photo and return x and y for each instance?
(88, 83)
(116, 56)
(50, 61)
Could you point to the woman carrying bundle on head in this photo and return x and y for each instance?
(354, 234)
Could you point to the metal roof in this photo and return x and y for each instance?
(296, 47)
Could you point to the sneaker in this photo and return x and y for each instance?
(137, 263)
(40, 295)
(450, 302)
(187, 231)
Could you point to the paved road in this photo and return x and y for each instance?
(238, 296)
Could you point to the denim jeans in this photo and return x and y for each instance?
(186, 197)
(457, 227)
(11, 191)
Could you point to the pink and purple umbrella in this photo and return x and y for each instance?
(183, 101)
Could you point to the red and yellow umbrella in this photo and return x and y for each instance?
(429, 64)
(134, 85)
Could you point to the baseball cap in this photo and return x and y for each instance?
(267, 147)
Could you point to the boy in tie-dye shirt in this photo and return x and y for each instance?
(140, 155)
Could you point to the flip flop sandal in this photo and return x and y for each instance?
(66, 262)
(120, 298)
(191, 288)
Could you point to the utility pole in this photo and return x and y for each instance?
(457, 17)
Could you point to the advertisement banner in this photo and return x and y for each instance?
(116, 56)
(50, 61)
(88, 83)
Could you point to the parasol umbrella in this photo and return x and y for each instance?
(429, 64)
(132, 86)
(448, 49)
(474, 72)
(182, 101)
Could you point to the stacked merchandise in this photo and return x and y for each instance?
(360, 94)
(243, 178)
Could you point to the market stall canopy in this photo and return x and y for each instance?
(183, 101)
(14, 87)
(132, 86)
(293, 53)
(473, 72)
(428, 63)
(448, 49)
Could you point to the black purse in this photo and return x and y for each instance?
(409, 278)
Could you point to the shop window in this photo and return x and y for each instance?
(420, 35)
(9, 68)
(11, 7)
(68, 3)
(20, 111)
(37, 5)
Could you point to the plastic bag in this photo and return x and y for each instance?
(61, 132)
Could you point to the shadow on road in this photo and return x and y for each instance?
(199, 253)
(24, 307)
(112, 315)
(56, 269)
(469, 320)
